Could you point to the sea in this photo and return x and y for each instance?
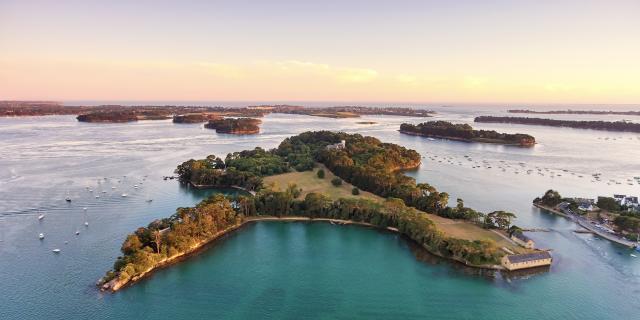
(114, 176)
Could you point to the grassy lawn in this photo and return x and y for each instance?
(309, 182)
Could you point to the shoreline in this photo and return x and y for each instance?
(467, 140)
(114, 285)
(589, 228)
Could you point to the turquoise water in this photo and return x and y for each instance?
(296, 270)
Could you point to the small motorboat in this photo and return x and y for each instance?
(85, 208)
(77, 232)
(149, 200)
(633, 255)
(124, 195)
(41, 236)
(40, 217)
(67, 198)
(86, 224)
(56, 250)
(113, 187)
(97, 197)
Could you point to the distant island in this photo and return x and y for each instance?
(339, 183)
(594, 125)
(194, 117)
(115, 113)
(598, 112)
(235, 125)
(464, 132)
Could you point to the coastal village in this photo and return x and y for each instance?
(613, 218)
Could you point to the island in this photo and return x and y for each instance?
(235, 125)
(616, 218)
(346, 111)
(195, 117)
(569, 111)
(466, 133)
(624, 126)
(321, 176)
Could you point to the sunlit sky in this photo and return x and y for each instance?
(357, 51)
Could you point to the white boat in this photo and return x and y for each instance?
(56, 250)
(77, 232)
(97, 197)
(40, 217)
(86, 224)
(67, 198)
(41, 236)
(85, 208)
(113, 187)
(633, 255)
(124, 195)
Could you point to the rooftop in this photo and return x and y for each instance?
(529, 256)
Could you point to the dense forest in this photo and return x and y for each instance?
(464, 132)
(235, 125)
(594, 125)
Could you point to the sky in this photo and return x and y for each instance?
(573, 52)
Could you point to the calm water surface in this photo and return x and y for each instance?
(297, 270)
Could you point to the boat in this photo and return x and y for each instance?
(86, 224)
(41, 236)
(77, 232)
(56, 250)
(633, 255)
(97, 197)
(40, 217)
(149, 200)
(67, 198)
(124, 195)
(113, 187)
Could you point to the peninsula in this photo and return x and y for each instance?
(235, 125)
(569, 111)
(624, 126)
(367, 188)
(466, 133)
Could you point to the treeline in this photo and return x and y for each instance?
(235, 125)
(594, 125)
(445, 129)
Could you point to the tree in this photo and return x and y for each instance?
(355, 191)
(336, 182)
(608, 203)
(157, 239)
(320, 174)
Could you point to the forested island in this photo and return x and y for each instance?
(195, 117)
(394, 202)
(569, 111)
(464, 132)
(593, 125)
(235, 125)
